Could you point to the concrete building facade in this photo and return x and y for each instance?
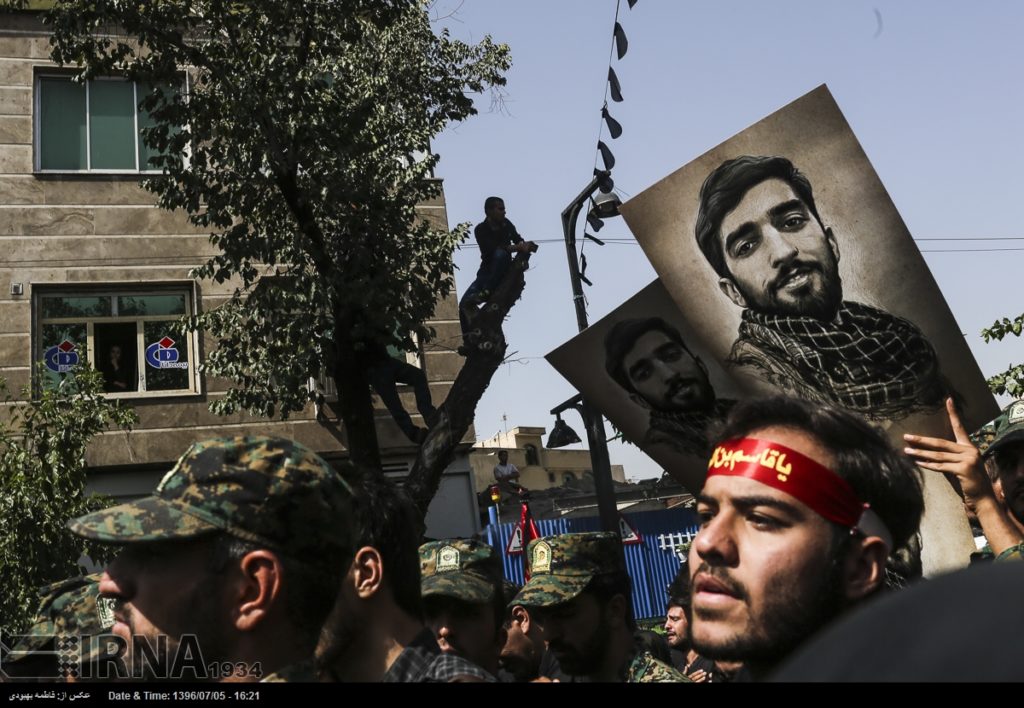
(539, 467)
(91, 264)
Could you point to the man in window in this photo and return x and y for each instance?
(802, 506)
(117, 377)
(759, 228)
(649, 359)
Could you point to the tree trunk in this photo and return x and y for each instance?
(485, 353)
(355, 405)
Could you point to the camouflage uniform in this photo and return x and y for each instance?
(300, 672)
(75, 620)
(269, 491)
(463, 569)
(1007, 429)
(562, 566)
(1012, 553)
(644, 668)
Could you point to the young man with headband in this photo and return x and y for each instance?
(802, 505)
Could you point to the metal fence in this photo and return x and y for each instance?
(652, 563)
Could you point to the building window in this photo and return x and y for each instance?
(93, 126)
(531, 455)
(568, 478)
(551, 477)
(130, 336)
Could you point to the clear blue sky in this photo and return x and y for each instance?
(932, 90)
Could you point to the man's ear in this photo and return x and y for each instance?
(728, 287)
(997, 487)
(367, 572)
(258, 588)
(521, 617)
(864, 567)
(832, 243)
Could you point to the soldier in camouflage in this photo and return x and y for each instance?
(461, 583)
(997, 499)
(579, 592)
(70, 637)
(229, 569)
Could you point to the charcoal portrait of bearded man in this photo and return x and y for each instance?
(760, 230)
(648, 358)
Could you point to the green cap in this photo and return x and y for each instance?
(562, 566)
(1008, 428)
(270, 491)
(509, 590)
(983, 436)
(71, 608)
(463, 568)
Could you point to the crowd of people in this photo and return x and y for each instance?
(254, 559)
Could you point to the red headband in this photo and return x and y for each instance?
(785, 469)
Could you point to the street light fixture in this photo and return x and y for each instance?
(562, 435)
(605, 205)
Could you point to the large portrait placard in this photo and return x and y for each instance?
(782, 248)
(645, 368)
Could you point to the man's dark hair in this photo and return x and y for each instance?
(725, 187)
(311, 586)
(607, 585)
(879, 474)
(386, 519)
(621, 338)
(490, 202)
(679, 590)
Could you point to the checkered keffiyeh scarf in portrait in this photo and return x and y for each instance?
(866, 360)
(686, 432)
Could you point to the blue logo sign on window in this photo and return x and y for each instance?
(62, 358)
(163, 355)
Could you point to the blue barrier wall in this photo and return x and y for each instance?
(652, 564)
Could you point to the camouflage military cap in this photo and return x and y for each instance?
(983, 436)
(270, 491)
(462, 568)
(1007, 428)
(70, 608)
(508, 591)
(562, 566)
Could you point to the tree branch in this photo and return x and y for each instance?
(485, 354)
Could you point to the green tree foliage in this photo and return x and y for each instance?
(42, 486)
(298, 134)
(1011, 381)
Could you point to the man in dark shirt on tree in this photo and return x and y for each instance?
(498, 240)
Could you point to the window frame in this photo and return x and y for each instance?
(37, 128)
(114, 290)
